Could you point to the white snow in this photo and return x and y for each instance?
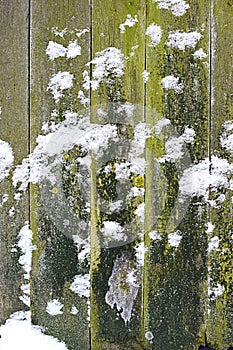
(5, 198)
(155, 236)
(182, 40)
(85, 101)
(177, 7)
(6, 159)
(81, 32)
(140, 250)
(11, 212)
(129, 22)
(55, 50)
(199, 54)
(140, 211)
(113, 230)
(59, 82)
(54, 307)
(161, 124)
(217, 291)
(209, 228)
(145, 76)
(109, 63)
(19, 333)
(174, 147)
(26, 246)
(155, 33)
(213, 244)
(81, 285)
(171, 82)
(73, 49)
(174, 239)
(122, 170)
(74, 310)
(197, 179)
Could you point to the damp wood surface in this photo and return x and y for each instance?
(55, 261)
(183, 291)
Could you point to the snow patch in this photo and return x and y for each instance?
(177, 7)
(145, 76)
(171, 82)
(59, 82)
(108, 64)
(18, 333)
(155, 236)
(140, 250)
(155, 33)
(54, 307)
(81, 285)
(199, 54)
(26, 246)
(181, 40)
(113, 230)
(174, 239)
(129, 22)
(6, 159)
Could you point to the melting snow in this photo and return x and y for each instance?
(123, 287)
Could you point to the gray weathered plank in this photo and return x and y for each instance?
(14, 130)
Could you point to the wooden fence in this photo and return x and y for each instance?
(147, 225)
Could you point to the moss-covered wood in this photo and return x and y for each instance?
(174, 278)
(183, 292)
(14, 130)
(55, 262)
(116, 325)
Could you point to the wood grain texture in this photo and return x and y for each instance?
(174, 278)
(109, 329)
(55, 262)
(220, 260)
(14, 130)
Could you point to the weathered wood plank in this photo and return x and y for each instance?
(220, 284)
(56, 262)
(115, 302)
(14, 130)
(175, 271)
